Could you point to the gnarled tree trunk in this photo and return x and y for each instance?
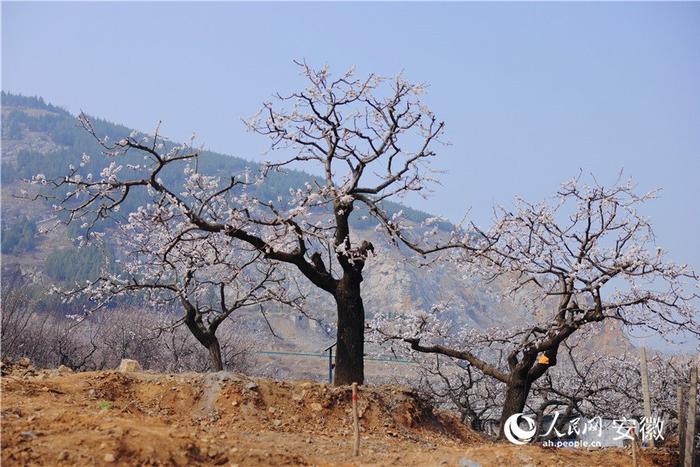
(215, 354)
(206, 337)
(349, 360)
(523, 374)
(516, 396)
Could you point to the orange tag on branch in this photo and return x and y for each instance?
(543, 359)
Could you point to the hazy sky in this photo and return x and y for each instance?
(531, 93)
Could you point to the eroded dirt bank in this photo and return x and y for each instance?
(56, 417)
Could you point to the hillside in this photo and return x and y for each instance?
(56, 417)
(41, 138)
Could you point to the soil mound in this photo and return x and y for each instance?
(57, 417)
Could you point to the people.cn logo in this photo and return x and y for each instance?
(517, 435)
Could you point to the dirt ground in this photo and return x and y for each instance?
(57, 417)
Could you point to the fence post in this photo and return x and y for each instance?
(681, 393)
(645, 388)
(356, 422)
(331, 365)
(691, 417)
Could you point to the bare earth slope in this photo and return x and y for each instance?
(54, 417)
